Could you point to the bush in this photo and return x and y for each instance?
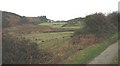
(22, 51)
(98, 25)
(113, 18)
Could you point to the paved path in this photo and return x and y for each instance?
(106, 56)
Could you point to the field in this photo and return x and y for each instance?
(63, 51)
(53, 42)
(59, 25)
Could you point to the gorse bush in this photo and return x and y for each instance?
(22, 51)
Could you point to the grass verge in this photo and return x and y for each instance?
(115, 60)
(89, 53)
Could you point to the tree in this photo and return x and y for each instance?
(113, 19)
(96, 24)
(43, 19)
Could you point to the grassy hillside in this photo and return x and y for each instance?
(76, 41)
(11, 19)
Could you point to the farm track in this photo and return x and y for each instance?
(107, 55)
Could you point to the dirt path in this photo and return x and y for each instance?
(106, 56)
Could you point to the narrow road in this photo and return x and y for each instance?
(107, 55)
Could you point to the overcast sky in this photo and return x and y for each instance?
(58, 9)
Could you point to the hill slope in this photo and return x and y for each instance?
(11, 19)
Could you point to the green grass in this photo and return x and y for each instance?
(54, 25)
(59, 25)
(74, 27)
(115, 60)
(89, 53)
(51, 40)
(47, 36)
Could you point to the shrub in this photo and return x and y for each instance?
(22, 51)
(97, 24)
